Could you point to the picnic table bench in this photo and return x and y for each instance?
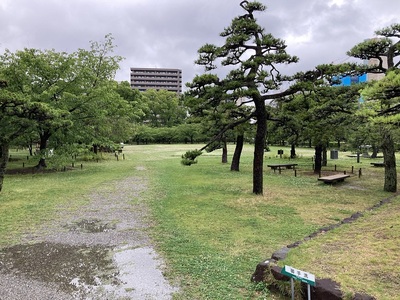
(333, 178)
(280, 166)
(378, 164)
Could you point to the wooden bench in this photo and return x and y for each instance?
(333, 178)
(378, 164)
(280, 166)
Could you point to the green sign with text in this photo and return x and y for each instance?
(299, 275)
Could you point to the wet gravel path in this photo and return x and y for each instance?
(101, 251)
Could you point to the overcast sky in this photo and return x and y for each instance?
(168, 33)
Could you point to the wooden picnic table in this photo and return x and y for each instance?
(334, 178)
(280, 166)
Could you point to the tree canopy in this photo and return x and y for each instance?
(251, 57)
(382, 96)
(57, 99)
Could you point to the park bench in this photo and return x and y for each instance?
(333, 178)
(279, 166)
(378, 164)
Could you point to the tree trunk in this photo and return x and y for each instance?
(224, 152)
(318, 159)
(259, 143)
(389, 158)
(375, 150)
(96, 148)
(43, 142)
(324, 157)
(41, 164)
(4, 154)
(43, 146)
(293, 151)
(238, 152)
(30, 149)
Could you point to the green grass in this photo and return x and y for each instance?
(362, 256)
(213, 231)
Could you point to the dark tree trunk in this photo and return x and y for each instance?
(293, 151)
(375, 150)
(96, 148)
(224, 152)
(324, 157)
(43, 142)
(43, 146)
(389, 158)
(259, 143)
(4, 154)
(41, 164)
(318, 159)
(30, 149)
(238, 152)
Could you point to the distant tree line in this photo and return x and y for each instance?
(69, 102)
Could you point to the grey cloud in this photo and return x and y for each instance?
(168, 33)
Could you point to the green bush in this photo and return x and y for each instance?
(189, 157)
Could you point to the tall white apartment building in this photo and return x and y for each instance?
(156, 78)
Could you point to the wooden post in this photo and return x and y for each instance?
(352, 169)
(295, 173)
(359, 173)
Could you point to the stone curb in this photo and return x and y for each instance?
(325, 289)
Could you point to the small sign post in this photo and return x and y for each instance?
(299, 275)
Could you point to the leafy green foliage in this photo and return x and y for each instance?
(162, 108)
(383, 109)
(383, 97)
(57, 99)
(77, 88)
(189, 157)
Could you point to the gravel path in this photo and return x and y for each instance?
(101, 251)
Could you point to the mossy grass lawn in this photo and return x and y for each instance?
(213, 231)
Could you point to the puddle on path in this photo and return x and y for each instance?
(59, 264)
(90, 226)
(140, 274)
(90, 272)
